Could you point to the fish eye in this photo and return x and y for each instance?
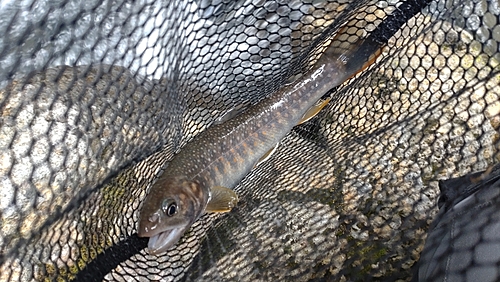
(169, 207)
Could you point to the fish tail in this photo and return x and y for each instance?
(366, 53)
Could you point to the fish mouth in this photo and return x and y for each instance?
(165, 240)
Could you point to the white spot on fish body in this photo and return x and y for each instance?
(277, 105)
(314, 76)
(318, 72)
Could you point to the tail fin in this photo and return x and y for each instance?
(363, 56)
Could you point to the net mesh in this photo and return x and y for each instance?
(97, 96)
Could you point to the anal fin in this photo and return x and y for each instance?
(266, 156)
(314, 110)
(222, 199)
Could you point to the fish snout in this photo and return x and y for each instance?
(148, 224)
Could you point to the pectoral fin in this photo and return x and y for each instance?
(314, 110)
(222, 199)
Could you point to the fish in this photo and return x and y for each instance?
(201, 176)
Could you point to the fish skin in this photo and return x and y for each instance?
(223, 154)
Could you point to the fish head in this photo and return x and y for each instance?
(169, 210)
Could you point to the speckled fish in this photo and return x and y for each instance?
(199, 179)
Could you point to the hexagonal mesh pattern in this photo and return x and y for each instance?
(97, 96)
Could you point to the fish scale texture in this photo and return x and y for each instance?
(97, 96)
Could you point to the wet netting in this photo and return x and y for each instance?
(97, 96)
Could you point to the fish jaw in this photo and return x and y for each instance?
(165, 240)
(161, 239)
